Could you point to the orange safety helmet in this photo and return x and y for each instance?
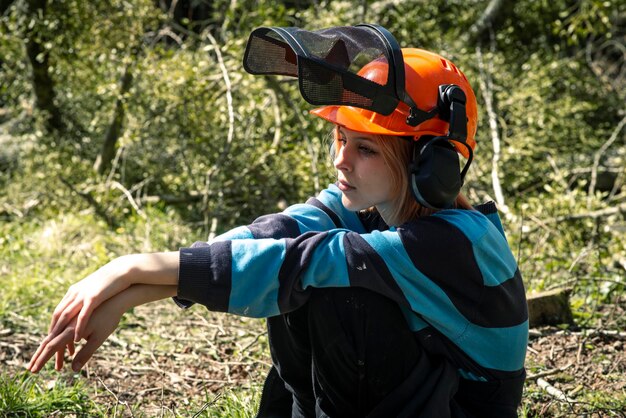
(425, 72)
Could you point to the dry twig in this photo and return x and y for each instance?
(548, 372)
(551, 390)
(117, 400)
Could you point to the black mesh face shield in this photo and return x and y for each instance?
(329, 64)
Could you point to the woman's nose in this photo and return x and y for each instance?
(342, 159)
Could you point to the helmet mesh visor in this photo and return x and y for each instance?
(330, 64)
(274, 56)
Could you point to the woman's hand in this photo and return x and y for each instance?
(83, 297)
(101, 324)
(86, 295)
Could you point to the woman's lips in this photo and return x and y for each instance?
(345, 186)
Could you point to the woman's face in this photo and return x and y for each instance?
(363, 176)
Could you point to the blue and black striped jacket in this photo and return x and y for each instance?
(452, 273)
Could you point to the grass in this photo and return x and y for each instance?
(29, 396)
(238, 403)
(26, 395)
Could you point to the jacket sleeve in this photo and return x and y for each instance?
(267, 277)
(453, 269)
(321, 213)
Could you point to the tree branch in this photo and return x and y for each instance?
(593, 215)
(484, 82)
(229, 139)
(100, 211)
(493, 16)
(553, 391)
(598, 155)
(302, 123)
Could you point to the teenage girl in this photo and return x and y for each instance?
(377, 304)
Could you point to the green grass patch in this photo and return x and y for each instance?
(26, 395)
(232, 403)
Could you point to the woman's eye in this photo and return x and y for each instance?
(366, 150)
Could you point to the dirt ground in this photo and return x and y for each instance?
(581, 370)
(579, 373)
(165, 359)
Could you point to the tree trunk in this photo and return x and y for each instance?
(493, 16)
(43, 84)
(109, 146)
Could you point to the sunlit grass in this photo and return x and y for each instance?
(26, 395)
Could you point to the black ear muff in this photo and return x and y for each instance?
(434, 173)
(436, 179)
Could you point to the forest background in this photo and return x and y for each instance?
(131, 126)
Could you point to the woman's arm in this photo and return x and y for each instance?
(101, 323)
(86, 295)
(321, 214)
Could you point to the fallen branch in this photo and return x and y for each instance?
(206, 405)
(548, 372)
(117, 400)
(595, 332)
(554, 391)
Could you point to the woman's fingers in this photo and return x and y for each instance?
(40, 349)
(49, 348)
(67, 299)
(58, 359)
(83, 318)
(67, 315)
(86, 351)
(101, 324)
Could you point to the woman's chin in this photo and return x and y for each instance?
(351, 205)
